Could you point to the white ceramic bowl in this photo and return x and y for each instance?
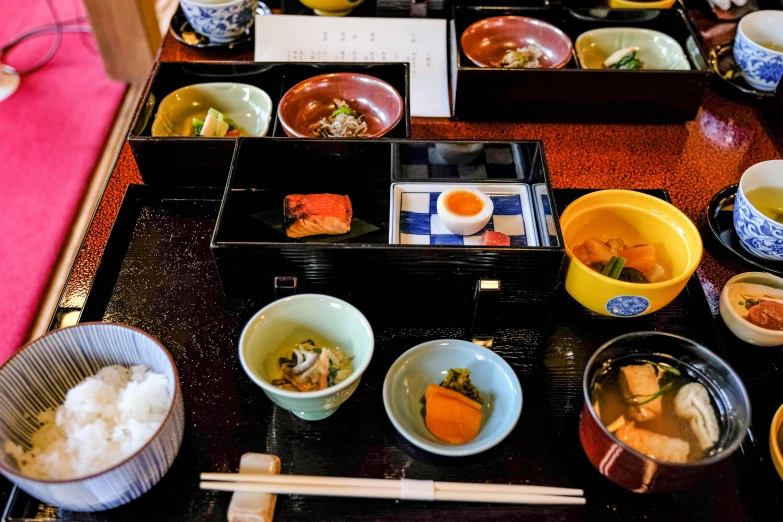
(286, 322)
(220, 22)
(658, 51)
(247, 105)
(38, 377)
(428, 363)
(464, 225)
(759, 235)
(741, 327)
(761, 66)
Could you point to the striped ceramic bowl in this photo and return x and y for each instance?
(38, 377)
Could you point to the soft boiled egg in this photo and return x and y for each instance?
(464, 211)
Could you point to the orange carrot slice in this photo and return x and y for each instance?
(434, 389)
(642, 258)
(452, 420)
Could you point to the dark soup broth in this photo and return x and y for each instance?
(658, 408)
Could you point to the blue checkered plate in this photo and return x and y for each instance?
(414, 216)
(546, 220)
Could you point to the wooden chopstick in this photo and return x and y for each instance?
(385, 488)
(387, 483)
(371, 492)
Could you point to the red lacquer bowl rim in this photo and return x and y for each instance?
(535, 21)
(314, 79)
(700, 350)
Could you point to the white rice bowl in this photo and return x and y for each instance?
(104, 420)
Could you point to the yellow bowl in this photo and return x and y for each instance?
(636, 218)
(775, 440)
(630, 4)
(331, 7)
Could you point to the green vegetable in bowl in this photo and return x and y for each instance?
(197, 126)
(216, 125)
(344, 110)
(614, 267)
(624, 59)
(628, 62)
(458, 379)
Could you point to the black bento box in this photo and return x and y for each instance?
(197, 162)
(251, 249)
(572, 93)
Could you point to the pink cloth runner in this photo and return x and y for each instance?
(51, 132)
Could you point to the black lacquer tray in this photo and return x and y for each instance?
(157, 274)
(572, 93)
(198, 161)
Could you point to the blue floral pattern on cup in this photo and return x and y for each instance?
(220, 22)
(627, 305)
(762, 68)
(760, 235)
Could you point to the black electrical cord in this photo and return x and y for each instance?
(58, 28)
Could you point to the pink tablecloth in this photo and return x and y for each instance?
(51, 133)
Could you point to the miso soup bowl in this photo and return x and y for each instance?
(636, 218)
(634, 470)
(759, 235)
(37, 378)
(286, 322)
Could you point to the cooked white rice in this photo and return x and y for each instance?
(104, 420)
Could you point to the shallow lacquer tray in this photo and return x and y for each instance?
(157, 273)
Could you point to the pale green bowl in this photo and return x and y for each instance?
(286, 322)
(658, 51)
(249, 106)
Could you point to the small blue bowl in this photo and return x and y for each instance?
(410, 375)
(220, 22)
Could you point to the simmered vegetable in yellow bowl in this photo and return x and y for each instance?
(629, 253)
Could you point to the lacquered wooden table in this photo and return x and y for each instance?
(691, 161)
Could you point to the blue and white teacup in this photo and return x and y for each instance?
(760, 235)
(220, 20)
(758, 49)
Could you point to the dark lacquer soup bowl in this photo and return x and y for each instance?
(636, 470)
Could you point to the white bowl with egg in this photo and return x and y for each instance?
(37, 379)
(464, 210)
(735, 314)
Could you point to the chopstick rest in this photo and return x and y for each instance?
(254, 507)
(411, 489)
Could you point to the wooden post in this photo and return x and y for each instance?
(128, 36)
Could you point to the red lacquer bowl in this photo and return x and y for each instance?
(486, 41)
(634, 470)
(307, 102)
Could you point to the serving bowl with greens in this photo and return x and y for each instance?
(214, 110)
(307, 353)
(630, 48)
(452, 397)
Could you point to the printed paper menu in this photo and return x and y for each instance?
(420, 42)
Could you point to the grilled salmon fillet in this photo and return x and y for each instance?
(316, 214)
